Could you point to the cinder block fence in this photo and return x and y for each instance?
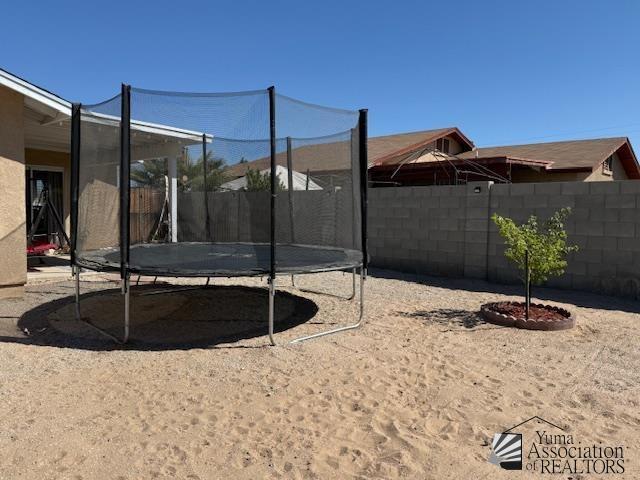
(447, 230)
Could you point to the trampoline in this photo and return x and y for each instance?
(176, 184)
(198, 259)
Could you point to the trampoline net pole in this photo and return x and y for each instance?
(273, 186)
(75, 176)
(125, 184)
(354, 153)
(290, 188)
(364, 165)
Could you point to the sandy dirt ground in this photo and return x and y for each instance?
(418, 392)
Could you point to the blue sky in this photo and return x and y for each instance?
(503, 71)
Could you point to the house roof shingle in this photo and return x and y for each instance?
(389, 150)
(332, 156)
(558, 155)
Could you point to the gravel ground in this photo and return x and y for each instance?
(418, 392)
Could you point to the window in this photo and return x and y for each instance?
(442, 145)
(607, 166)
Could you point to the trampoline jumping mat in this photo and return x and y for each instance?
(200, 259)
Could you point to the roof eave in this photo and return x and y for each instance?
(464, 138)
(569, 169)
(508, 159)
(547, 166)
(36, 93)
(632, 170)
(426, 141)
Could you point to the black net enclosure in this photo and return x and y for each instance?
(217, 184)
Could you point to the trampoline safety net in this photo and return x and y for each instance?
(234, 184)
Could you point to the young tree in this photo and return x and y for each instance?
(257, 182)
(538, 250)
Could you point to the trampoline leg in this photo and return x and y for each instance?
(272, 295)
(350, 297)
(86, 321)
(125, 289)
(363, 276)
(353, 285)
(76, 273)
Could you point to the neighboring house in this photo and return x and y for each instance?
(577, 160)
(591, 160)
(325, 162)
(299, 181)
(447, 157)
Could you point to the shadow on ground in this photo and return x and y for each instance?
(174, 319)
(448, 317)
(39, 261)
(572, 297)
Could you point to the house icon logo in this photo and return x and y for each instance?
(506, 451)
(506, 447)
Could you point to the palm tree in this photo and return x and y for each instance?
(191, 173)
(149, 173)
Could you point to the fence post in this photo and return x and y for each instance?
(173, 198)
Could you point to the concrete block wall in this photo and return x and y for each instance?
(605, 224)
(447, 230)
(440, 230)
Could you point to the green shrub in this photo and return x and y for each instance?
(258, 182)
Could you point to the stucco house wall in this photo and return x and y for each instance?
(598, 175)
(618, 172)
(533, 176)
(13, 261)
(455, 147)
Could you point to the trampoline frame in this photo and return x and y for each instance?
(125, 192)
